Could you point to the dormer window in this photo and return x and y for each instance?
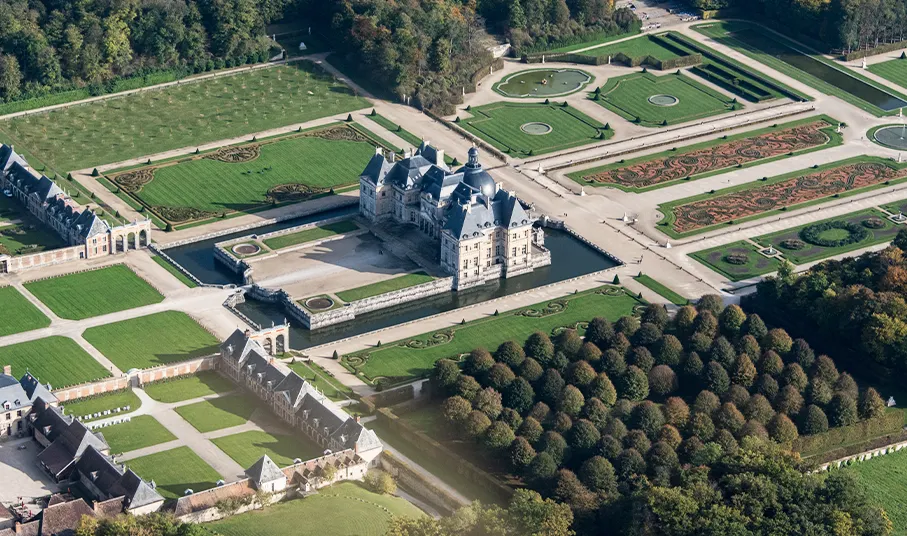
(94, 476)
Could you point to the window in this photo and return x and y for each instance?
(497, 250)
(524, 250)
(513, 253)
(466, 264)
(9, 416)
(488, 254)
(19, 413)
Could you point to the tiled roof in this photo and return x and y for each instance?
(208, 498)
(62, 519)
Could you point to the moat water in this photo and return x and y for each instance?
(570, 258)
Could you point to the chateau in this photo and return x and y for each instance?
(484, 232)
(87, 235)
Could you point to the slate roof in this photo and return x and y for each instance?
(377, 168)
(8, 157)
(47, 415)
(264, 470)
(432, 154)
(37, 185)
(34, 389)
(407, 173)
(69, 446)
(469, 220)
(23, 392)
(114, 481)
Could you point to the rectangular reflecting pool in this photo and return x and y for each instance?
(570, 258)
(827, 73)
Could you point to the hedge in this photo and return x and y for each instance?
(855, 435)
(866, 52)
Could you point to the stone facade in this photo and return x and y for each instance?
(87, 235)
(17, 397)
(484, 232)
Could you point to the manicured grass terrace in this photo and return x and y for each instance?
(500, 125)
(59, 361)
(712, 157)
(340, 510)
(93, 293)
(173, 271)
(628, 96)
(253, 175)
(84, 407)
(18, 313)
(247, 447)
(661, 290)
(813, 252)
(773, 195)
(309, 235)
(140, 432)
(592, 42)
(769, 48)
(636, 48)
(27, 235)
(327, 384)
(152, 340)
(179, 116)
(894, 70)
(756, 264)
(382, 287)
(218, 413)
(414, 357)
(198, 385)
(883, 478)
(175, 471)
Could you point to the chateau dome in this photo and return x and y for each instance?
(475, 176)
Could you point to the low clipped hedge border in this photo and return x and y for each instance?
(866, 52)
(812, 233)
(854, 436)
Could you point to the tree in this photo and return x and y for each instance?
(597, 474)
(711, 303)
(590, 353)
(531, 430)
(602, 388)
(825, 369)
(670, 436)
(599, 332)
(701, 426)
(562, 423)
(871, 404)
(789, 400)
(531, 370)
(706, 324)
(729, 418)
(615, 428)
(662, 380)
(753, 429)
(813, 421)
(846, 385)
(467, 387)
(609, 447)
(629, 463)
(802, 354)
(478, 362)
(676, 411)
(750, 346)
(455, 409)
(569, 342)
(550, 386)
(771, 363)
(571, 401)
(620, 343)
(723, 353)
(580, 373)
(444, 374)
(716, 378)
(736, 395)
(517, 19)
(519, 395)
(540, 411)
(818, 392)
(613, 362)
(476, 423)
(641, 357)
(488, 401)
(634, 384)
(777, 340)
(647, 334)
(498, 436)
(627, 325)
(381, 482)
(692, 366)
(542, 468)
(662, 455)
(685, 318)
(532, 515)
(513, 419)
(656, 314)
(554, 444)
(782, 429)
(706, 402)
(500, 376)
(511, 354)
(731, 320)
(744, 371)
(539, 347)
(793, 375)
(842, 410)
(584, 435)
(767, 386)
(10, 78)
(669, 351)
(648, 417)
(758, 409)
(754, 326)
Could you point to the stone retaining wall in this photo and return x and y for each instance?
(409, 479)
(40, 260)
(863, 456)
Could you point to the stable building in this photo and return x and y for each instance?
(17, 397)
(484, 232)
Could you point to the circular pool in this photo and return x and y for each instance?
(246, 249)
(543, 83)
(319, 303)
(663, 100)
(536, 129)
(893, 136)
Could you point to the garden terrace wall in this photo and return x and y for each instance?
(409, 479)
(836, 438)
(389, 398)
(9, 264)
(443, 454)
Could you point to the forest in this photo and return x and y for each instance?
(661, 425)
(843, 25)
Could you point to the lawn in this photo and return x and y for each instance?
(27, 236)
(18, 313)
(174, 471)
(184, 115)
(661, 289)
(174, 271)
(628, 96)
(93, 293)
(637, 49)
(805, 65)
(324, 382)
(406, 359)
(153, 340)
(382, 287)
(808, 252)
(247, 447)
(309, 235)
(716, 156)
(754, 265)
(898, 207)
(502, 125)
(140, 432)
(244, 177)
(340, 510)
(204, 383)
(894, 70)
(585, 44)
(99, 403)
(59, 361)
(218, 413)
(799, 189)
(884, 477)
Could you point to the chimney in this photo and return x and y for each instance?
(8, 370)
(94, 505)
(439, 159)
